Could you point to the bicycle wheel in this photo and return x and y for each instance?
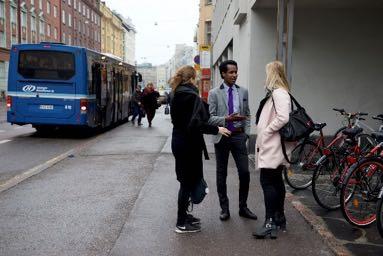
(304, 156)
(325, 184)
(379, 216)
(360, 192)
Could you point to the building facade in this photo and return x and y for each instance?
(148, 72)
(332, 51)
(129, 41)
(80, 23)
(74, 22)
(112, 33)
(206, 8)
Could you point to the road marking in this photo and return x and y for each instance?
(4, 141)
(2, 131)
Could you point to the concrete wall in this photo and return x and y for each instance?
(337, 61)
(262, 51)
(337, 57)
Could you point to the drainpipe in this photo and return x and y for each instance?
(60, 21)
(285, 24)
(18, 21)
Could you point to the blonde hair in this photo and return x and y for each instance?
(184, 75)
(276, 76)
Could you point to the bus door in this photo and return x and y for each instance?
(46, 86)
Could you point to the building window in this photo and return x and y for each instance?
(64, 38)
(55, 11)
(2, 39)
(69, 20)
(33, 24)
(32, 2)
(208, 32)
(74, 4)
(69, 2)
(2, 10)
(63, 17)
(23, 19)
(48, 7)
(69, 39)
(208, 2)
(13, 15)
(83, 10)
(87, 13)
(55, 33)
(79, 6)
(42, 27)
(49, 30)
(41, 4)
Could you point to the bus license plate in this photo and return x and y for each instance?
(48, 107)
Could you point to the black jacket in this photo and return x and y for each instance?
(187, 139)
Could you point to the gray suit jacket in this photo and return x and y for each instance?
(219, 109)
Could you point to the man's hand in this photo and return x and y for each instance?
(234, 117)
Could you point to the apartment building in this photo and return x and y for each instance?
(332, 51)
(74, 22)
(112, 33)
(80, 23)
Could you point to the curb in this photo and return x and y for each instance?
(316, 223)
(41, 167)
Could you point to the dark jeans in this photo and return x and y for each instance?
(183, 203)
(137, 112)
(236, 144)
(273, 190)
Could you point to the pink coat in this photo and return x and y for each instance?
(268, 144)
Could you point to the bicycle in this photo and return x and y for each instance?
(307, 152)
(360, 189)
(379, 212)
(331, 168)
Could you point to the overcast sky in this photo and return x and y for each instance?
(176, 23)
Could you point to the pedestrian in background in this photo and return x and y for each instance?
(150, 101)
(229, 106)
(188, 142)
(272, 115)
(136, 103)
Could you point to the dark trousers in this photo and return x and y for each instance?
(150, 113)
(183, 203)
(236, 144)
(273, 190)
(137, 112)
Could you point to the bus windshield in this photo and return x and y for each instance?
(50, 65)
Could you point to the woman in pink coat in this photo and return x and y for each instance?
(272, 115)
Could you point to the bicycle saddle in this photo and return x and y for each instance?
(352, 132)
(378, 136)
(318, 127)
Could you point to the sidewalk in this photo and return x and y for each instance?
(149, 227)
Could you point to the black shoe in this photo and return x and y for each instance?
(268, 229)
(246, 213)
(187, 228)
(139, 123)
(225, 215)
(280, 221)
(192, 220)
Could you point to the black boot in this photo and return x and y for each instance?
(280, 221)
(268, 229)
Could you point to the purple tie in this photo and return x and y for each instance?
(230, 125)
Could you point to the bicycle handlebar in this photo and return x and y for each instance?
(339, 110)
(378, 117)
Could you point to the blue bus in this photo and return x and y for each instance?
(55, 85)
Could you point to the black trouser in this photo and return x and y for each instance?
(183, 203)
(236, 144)
(273, 190)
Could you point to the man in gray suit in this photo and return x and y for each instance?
(229, 107)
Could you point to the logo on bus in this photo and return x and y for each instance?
(29, 88)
